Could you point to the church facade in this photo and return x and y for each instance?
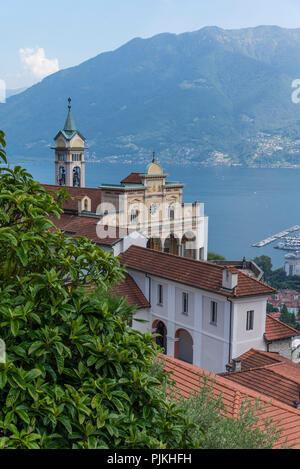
(146, 202)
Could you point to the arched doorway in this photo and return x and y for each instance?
(172, 245)
(154, 243)
(188, 245)
(184, 346)
(161, 340)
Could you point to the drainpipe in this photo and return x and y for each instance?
(149, 293)
(230, 332)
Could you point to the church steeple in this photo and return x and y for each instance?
(69, 154)
(70, 124)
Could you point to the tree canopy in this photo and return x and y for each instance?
(76, 376)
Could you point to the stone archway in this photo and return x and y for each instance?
(184, 346)
(154, 243)
(172, 245)
(188, 245)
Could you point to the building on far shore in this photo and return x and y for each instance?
(289, 298)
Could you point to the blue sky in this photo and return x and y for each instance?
(38, 37)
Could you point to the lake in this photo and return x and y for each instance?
(244, 205)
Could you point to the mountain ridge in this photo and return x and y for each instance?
(211, 96)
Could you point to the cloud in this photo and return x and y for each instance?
(36, 62)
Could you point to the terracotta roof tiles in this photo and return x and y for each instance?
(129, 289)
(276, 330)
(189, 378)
(133, 178)
(204, 275)
(269, 373)
(77, 193)
(87, 227)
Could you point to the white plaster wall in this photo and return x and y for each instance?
(189, 318)
(145, 315)
(210, 343)
(217, 330)
(242, 339)
(160, 310)
(283, 347)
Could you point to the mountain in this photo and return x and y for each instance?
(211, 96)
(13, 92)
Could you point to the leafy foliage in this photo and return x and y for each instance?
(76, 376)
(216, 430)
(212, 256)
(2, 147)
(288, 318)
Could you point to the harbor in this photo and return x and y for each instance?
(277, 236)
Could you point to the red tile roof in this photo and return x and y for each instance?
(129, 289)
(275, 315)
(87, 226)
(270, 374)
(133, 178)
(189, 378)
(204, 275)
(78, 193)
(276, 330)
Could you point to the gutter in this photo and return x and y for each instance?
(230, 331)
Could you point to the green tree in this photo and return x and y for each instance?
(287, 317)
(213, 256)
(75, 375)
(271, 309)
(265, 263)
(215, 430)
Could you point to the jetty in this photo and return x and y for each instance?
(273, 238)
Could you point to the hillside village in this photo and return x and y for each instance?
(207, 317)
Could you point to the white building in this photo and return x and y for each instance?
(206, 314)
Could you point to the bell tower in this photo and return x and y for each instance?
(69, 154)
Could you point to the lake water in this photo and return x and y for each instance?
(243, 205)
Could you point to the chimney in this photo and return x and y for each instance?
(229, 280)
(236, 365)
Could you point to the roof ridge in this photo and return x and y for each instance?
(234, 386)
(256, 280)
(286, 325)
(262, 367)
(193, 261)
(237, 403)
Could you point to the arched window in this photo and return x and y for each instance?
(76, 176)
(161, 340)
(184, 346)
(134, 215)
(62, 176)
(171, 213)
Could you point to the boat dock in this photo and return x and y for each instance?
(273, 238)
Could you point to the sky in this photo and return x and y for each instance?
(38, 38)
